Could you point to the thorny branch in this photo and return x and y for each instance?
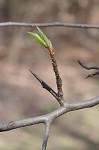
(46, 43)
(48, 118)
(65, 106)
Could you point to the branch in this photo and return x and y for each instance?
(45, 86)
(22, 123)
(89, 68)
(57, 75)
(50, 117)
(46, 136)
(60, 24)
(84, 104)
(42, 39)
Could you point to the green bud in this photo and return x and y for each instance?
(44, 38)
(37, 38)
(41, 38)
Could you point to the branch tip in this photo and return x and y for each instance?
(37, 77)
(89, 68)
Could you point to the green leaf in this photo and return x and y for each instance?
(37, 38)
(44, 38)
(41, 38)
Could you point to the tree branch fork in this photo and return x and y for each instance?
(65, 106)
(50, 117)
(47, 119)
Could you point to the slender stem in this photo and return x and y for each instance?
(71, 25)
(46, 136)
(87, 67)
(58, 78)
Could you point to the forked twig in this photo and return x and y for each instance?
(45, 42)
(50, 117)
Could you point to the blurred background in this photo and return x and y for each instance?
(21, 96)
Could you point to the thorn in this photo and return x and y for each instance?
(44, 85)
(37, 77)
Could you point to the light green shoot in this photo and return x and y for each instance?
(41, 38)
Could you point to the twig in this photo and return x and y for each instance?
(58, 78)
(46, 136)
(44, 85)
(89, 68)
(22, 123)
(72, 25)
(42, 39)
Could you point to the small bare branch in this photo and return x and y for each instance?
(46, 136)
(59, 24)
(84, 104)
(87, 67)
(22, 123)
(44, 85)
